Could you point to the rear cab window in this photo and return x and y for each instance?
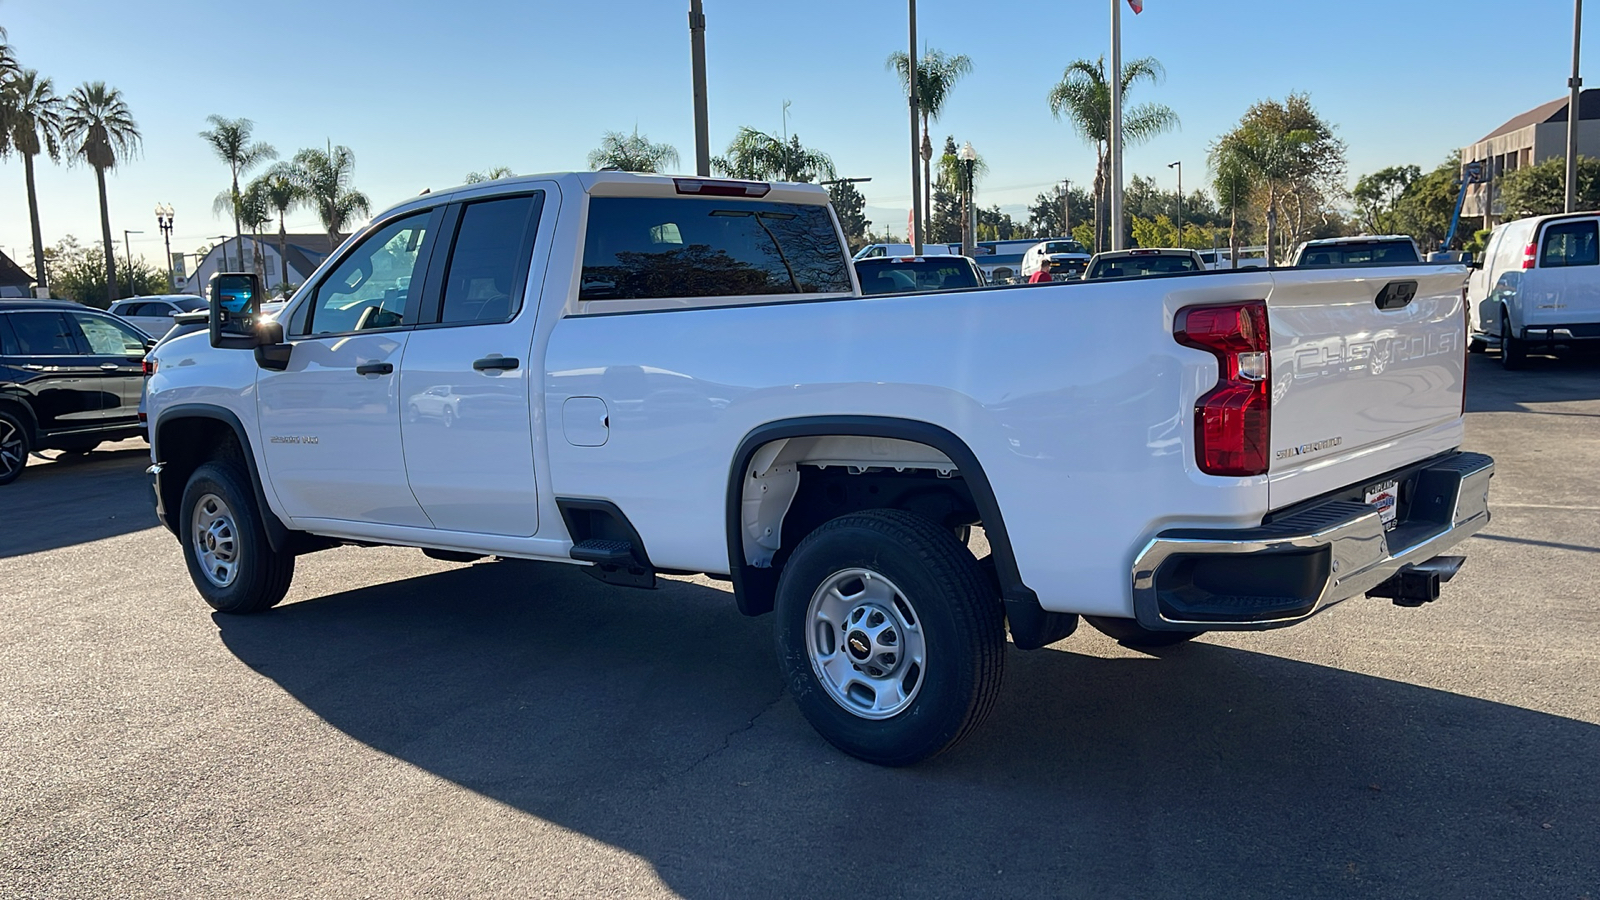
(1139, 266)
(925, 274)
(676, 252)
(1568, 244)
(1366, 253)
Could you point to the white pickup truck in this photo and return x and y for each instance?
(649, 375)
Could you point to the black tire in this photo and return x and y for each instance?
(15, 444)
(1475, 345)
(1130, 633)
(1513, 350)
(260, 576)
(942, 597)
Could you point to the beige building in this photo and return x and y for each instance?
(1529, 139)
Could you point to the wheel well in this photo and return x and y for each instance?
(185, 444)
(25, 413)
(789, 477)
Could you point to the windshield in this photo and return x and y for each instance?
(1139, 266)
(190, 304)
(1359, 254)
(915, 275)
(1064, 247)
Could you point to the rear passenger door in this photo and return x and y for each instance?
(53, 375)
(466, 383)
(116, 354)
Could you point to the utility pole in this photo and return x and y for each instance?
(702, 128)
(1179, 164)
(1573, 113)
(915, 237)
(1115, 77)
(128, 255)
(1066, 207)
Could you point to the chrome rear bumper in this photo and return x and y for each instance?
(1280, 573)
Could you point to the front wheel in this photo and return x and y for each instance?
(225, 545)
(14, 446)
(1131, 634)
(890, 638)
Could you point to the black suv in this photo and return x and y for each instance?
(70, 377)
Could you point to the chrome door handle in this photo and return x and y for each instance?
(33, 368)
(109, 367)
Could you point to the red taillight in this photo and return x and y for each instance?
(708, 188)
(1530, 256)
(150, 367)
(1232, 421)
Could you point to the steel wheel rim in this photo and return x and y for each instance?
(12, 456)
(216, 540)
(866, 643)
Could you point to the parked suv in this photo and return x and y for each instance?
(154, 315)
(70, 378)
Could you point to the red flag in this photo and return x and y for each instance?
(1136, 5)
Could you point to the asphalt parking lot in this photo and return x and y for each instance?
(403, 727)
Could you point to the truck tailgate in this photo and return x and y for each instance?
(1360, 390)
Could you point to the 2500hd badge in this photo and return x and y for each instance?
(294, 439)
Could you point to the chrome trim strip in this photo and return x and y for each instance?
(1362, 557)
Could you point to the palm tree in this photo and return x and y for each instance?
(937, 74)
(324, 179)
(30, 119)
(494, 174)
(8, 59)
(1267, 158)
(761, 157)
(98, 128)
(631, 153)
(281, 189)
(255, 211)
(1083, 97)
(230, 139)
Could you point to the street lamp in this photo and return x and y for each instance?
(969, 225)
(164, 220)
(128, 255)
(1179, 165)
(1066, 207)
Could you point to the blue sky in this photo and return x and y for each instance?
(427, 92)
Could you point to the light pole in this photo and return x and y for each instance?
(915, 237)
(969, 224)
(164, 221)
(1573, 112)
(697, 49)
(128, 255)
(1066, 207)
(1179, 165)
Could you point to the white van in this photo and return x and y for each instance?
(1538, 285)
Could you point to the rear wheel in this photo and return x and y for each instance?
(225, 545)
(1513, 350)
(1130, 633)
(15, 446)
(890, 637)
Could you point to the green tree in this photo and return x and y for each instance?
(1377, 194)
(1425, 208)
(851, 208)
(631, 153)
(1288, 160)
(1045, 214)
(1083, 98)
(282, 191)
(8, 59)
(1161, 231)
(494, 174)
(255, 212)
(761, 157)
(97, 128)
(79, 273)
(30, 124)
(937, 74)
(232, 141)
(324, 178)
(1541, 190)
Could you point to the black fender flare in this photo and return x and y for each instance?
(755, 588)
(278, 534)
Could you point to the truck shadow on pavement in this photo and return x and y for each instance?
(1567, 378)
(74, 500)
(657, 724)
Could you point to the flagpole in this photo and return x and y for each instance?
(1114, 189)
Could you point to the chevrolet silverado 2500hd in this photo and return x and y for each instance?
(644, 374)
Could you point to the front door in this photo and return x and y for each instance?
(54, 373)
(468, 370)
(330, 422)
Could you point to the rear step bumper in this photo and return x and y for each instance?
(1283, 572)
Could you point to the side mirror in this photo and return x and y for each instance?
(235, 299)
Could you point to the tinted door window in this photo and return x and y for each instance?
(490, 255)
(645, 248)
(1569, 244)
(43, 334)
(8, 344)
(108, 337)
(370, 287)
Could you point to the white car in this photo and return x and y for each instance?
(1062, 258)
(1538, 286)
(672, 375)
(153, 315)
(1358, 250)
(1143, 261)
